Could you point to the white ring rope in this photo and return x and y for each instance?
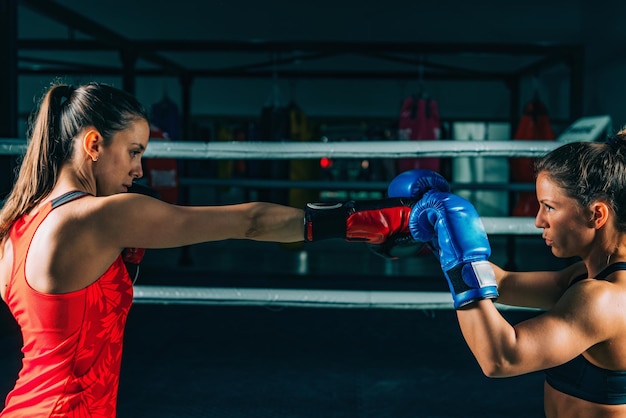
(356, 149)
(500, 225)
(360, 299)
(246, 150)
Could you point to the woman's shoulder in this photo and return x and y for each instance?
(598, 294)
(81, 204)
(78, 212)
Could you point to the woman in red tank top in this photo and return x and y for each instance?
(63, 229)
(67, 224)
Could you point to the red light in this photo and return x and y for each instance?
(326, 162)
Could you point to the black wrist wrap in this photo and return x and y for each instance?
(325, 220)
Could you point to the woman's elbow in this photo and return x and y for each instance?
(495, 369)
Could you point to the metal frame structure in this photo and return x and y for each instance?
(145, 58)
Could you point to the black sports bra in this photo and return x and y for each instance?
(584, 380)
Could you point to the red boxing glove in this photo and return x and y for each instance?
(370, 221)
(375, 226)
(133, 255)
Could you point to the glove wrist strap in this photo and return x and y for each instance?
(323, 221)
(472, 281)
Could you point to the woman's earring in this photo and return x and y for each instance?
(94, 159)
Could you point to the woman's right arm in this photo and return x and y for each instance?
(534, 289)
(132, 220)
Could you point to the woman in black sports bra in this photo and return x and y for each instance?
(580, 339)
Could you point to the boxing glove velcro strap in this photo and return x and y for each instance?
(370, 221)
(472, 281)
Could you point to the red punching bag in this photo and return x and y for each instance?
(534, 125)
(162, 173)
(419, 120)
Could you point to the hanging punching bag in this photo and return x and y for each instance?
(162, 173)
(419, 120)
(534, 125)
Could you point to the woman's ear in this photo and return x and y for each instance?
(92, 144)
(600, 214)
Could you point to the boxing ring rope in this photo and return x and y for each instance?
(308, 298)
(150, 294)
(242, 150)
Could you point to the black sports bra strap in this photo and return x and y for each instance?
(67, 197)
(602, 275)
(611, 269)
(577, 279)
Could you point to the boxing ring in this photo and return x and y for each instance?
(327, 298)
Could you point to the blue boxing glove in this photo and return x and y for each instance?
(415, 183)
(452, 224)
(410, 184)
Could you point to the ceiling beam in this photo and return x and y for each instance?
(339, 47)
(104, 36)
(267, 74)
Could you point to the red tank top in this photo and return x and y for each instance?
(72, 341)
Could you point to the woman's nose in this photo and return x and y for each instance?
(138, 172)
(539, 221)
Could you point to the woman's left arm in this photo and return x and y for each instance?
(579, 320)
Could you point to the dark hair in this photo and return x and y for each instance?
(62, 113)
(590, 171)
